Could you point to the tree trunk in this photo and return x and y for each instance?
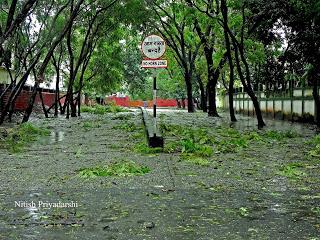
(212, 83)
(31, 103)
(203, 97)
(15, 92)
(248, 89)
(86, 99)
(63, 108)
(178, 103)
(316, 96)
(231, 67)
(42, 103)
(73, 106)
(231, 107)
(183, 103)
(189, 92)
(57, 95)
(239, 53)
(79, 104)
(42, 67)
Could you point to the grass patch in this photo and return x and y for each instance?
(137, 136)
(113, 108)
(172, 147)
(19, 137)
(96, 109)
(127, 126)
(316, 211)
(145, 149)
(90, 124)
(243, 212)
(315, 152)
(189, 146)
(191, 141)
(196, 160)
(118, 169)
(122, 117)
(292, 171)
(100, 110)
(78, 153)
(280, 135)
(232, 145)
(198, 142)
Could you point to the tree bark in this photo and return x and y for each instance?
(203, 98)
(224, 11)
(248, 89)
(240, 56)
(187, 78)
(15, 92)
(31, 103)
(315, 94)
(212, 84)
(57, 94)
(183, 103)
(42, 103)
(49, 54)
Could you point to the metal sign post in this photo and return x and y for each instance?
(153, 48)
(155, 102)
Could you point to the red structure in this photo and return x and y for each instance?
(23, 99)
(49, 99)
(126, 102)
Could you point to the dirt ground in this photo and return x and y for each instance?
(242, 194)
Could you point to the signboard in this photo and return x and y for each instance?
(158, 63)
(153, 47)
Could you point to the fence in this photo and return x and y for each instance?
(296, 105)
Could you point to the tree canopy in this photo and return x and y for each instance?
(92, 47)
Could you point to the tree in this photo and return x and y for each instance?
(176, 28)
(207, 32)
(301, 20)
(240, 55)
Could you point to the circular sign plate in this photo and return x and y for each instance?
(153, 47)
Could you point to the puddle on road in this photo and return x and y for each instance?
(249, 123)
(278, 208)
(57, 136)
(34, 213)
(280, 184)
